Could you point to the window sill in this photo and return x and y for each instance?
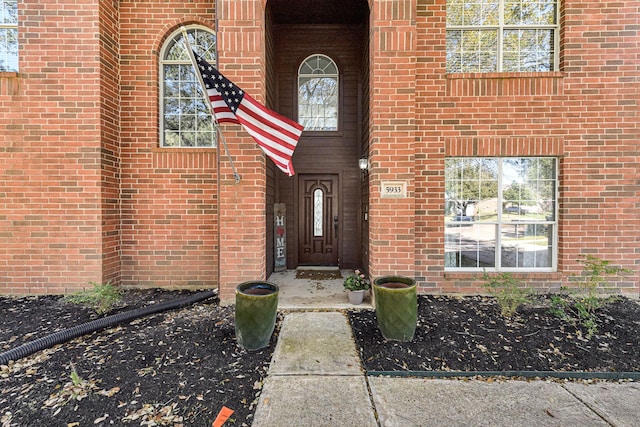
(322, 133)
(183, 149)
(506, 75)
(8, 83)
(478, 275)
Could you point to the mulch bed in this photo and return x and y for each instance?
(180, 367)
(174, 368)
(470, 334)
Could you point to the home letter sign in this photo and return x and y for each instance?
(280, 237)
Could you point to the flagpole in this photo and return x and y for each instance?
(208, 102)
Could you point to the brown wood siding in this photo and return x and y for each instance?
(271, 101)
(364, 151)
(325, 152)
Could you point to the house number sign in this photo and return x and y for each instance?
(393, 189)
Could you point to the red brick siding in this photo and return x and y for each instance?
(586, 113)
(392, 136)
(169, 216)
(242, 205)
(50, 152)
(110, 139)
(87, 195)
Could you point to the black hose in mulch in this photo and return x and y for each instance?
(65, 335)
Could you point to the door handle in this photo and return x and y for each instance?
(335, 225)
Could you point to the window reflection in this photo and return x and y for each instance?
(318, 94)
(500, 213)
(501, 35)
(187, 120)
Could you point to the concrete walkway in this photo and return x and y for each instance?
(315, 379)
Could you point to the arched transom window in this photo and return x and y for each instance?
(185, 116)
(318, 94)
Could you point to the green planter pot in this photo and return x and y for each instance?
(255, 316)
(396, 302)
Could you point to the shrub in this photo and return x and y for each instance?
(101, 298)
(504, 287)
(581, 309)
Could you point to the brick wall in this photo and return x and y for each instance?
(392, 136)
(109, 42)
(87, 195)
(50, 152)
(242, 205)
(586, 114)
(169, 197)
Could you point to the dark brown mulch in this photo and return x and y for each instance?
(174, 368)
(180, 367)
(469, 334)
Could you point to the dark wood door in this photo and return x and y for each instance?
(319, 221)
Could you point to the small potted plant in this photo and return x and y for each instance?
(355, 285)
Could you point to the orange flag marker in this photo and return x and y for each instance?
(223, 416)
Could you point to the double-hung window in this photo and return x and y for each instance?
(9, 36)
(502, 36)
(500, 214)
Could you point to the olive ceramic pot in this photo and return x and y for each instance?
(396, 304)
(255, 313)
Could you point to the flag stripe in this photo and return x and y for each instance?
(278, 122)
(287, 142)
(253, 118)
(220, 108)
(275, 134)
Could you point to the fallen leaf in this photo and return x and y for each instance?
(109, 393)
(101, 419)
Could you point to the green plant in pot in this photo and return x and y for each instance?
(355, 285)
(255, 313)
(396, 304)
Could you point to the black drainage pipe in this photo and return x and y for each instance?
(583, 375)
(65, 335)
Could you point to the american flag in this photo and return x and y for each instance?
(276, 135)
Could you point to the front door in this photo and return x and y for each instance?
(319, 222)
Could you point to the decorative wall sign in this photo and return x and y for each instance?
(280, 236)
(393, 189)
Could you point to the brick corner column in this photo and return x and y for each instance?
(392, 138)
(242, 219)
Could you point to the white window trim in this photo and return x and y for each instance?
(161, 82)
(501, 27)
(6, 26)
(499, 222)
(337, 77)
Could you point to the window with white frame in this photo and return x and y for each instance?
(184, 111)
(8, 35)
(500, 214)
(502, 35)
(318, 94)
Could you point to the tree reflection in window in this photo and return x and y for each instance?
(318, 94)
(500, 214)
(186, 117)
(9, 36)
(501, 35)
